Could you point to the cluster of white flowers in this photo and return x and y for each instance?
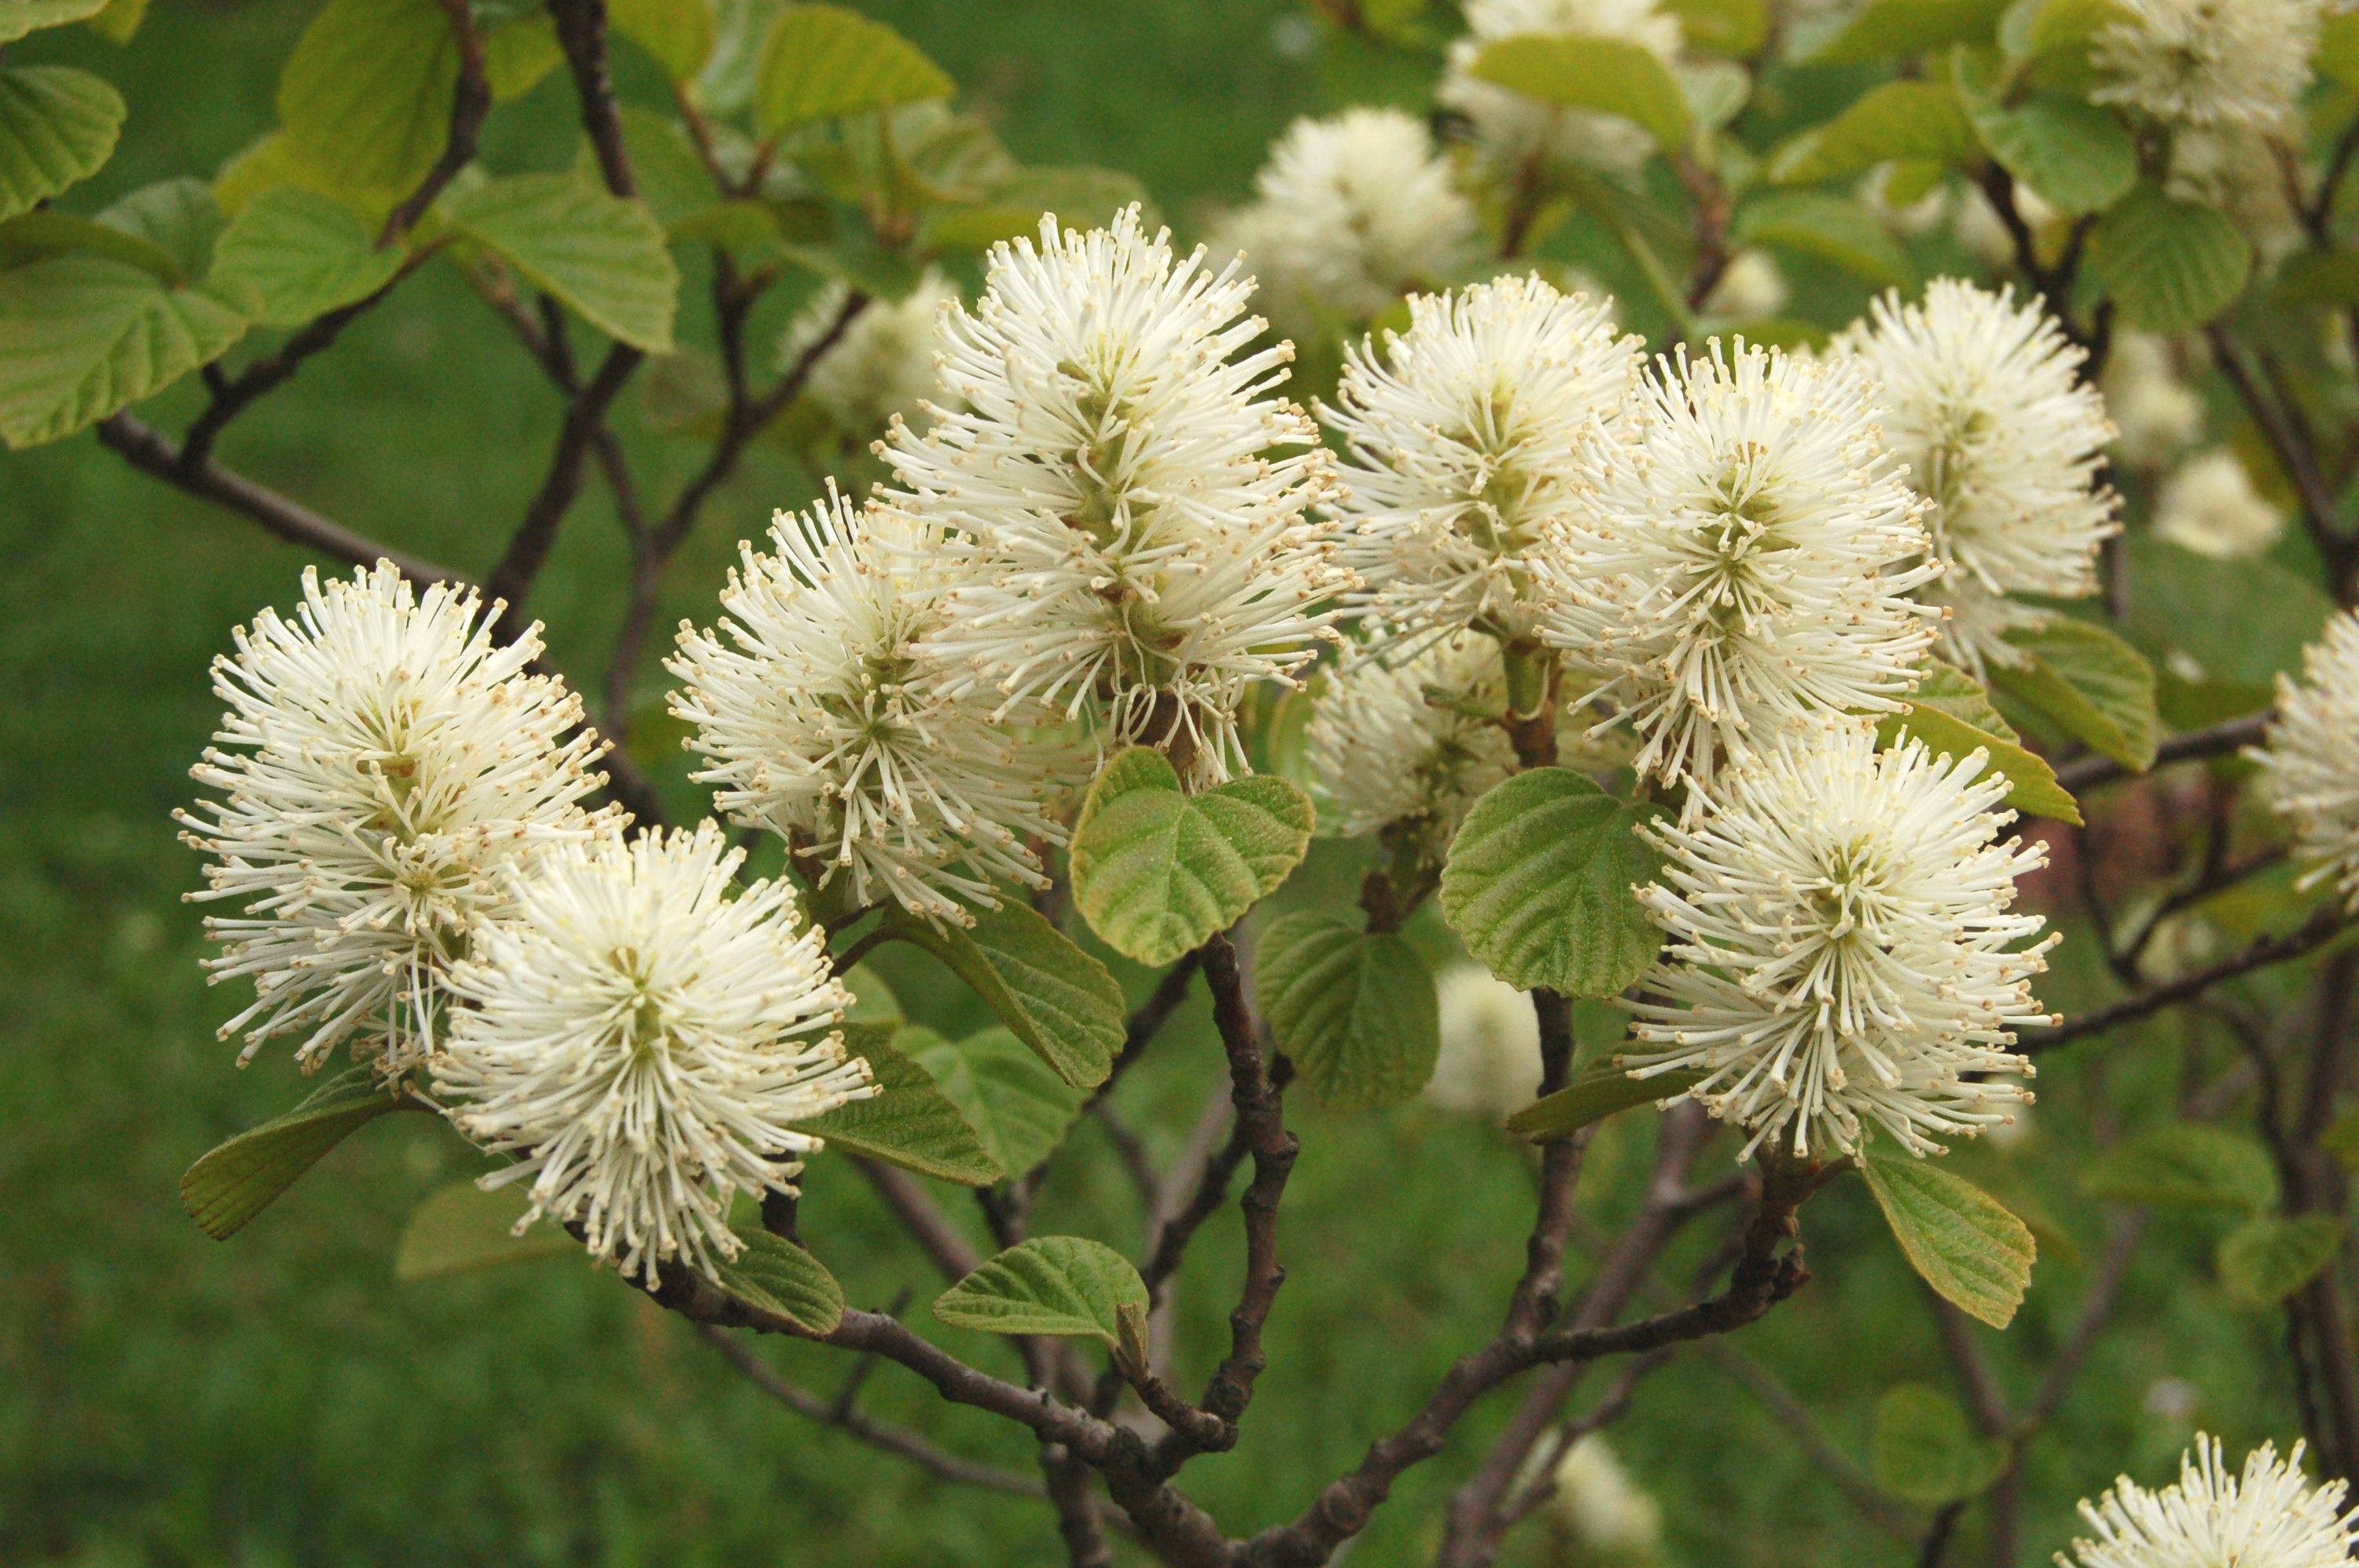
(1408, 746)
(1489, 1063)
(881, 367)
(2311, 756)
(2209, 63)
(2270, 1516)
(1515, 130)
(2210, 506)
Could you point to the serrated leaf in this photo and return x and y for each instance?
(82, 336)
(1609, 76)
(1888, 28)
(1834, 230)
(677, 34)
(31, 236)
(300, 254)
(822, 61)
(365, 98)
(1082, 198)
(518, 53)
(18, 18)
(1599, 1090)
(1923, 1451)
(178, 217)
(2266, 1258)
(2076, 154)
(1055, 998)
(2186, 1165)
(909, 1122)
(604, 257)
(239, 1179)
(2169, 266)
(1895, 120)
(1157, 872)
(1065, 1286)
(1017, 1108)
(1975, 1255)
(2032, 789)
(1355, 1013)
(772, 1275)
(2091, 682)
(1539, 884)
(57, 126)
(463, 1228)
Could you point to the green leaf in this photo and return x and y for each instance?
(2050, 46)
(57, 126)
(772, 1275)
(2337, 56)
(1975, 1255)
(604, 257)
(1157, 872)
(1016, 1107)
(2091, 682)
(300, 254)
(30, 236)
(1735, 28)
(2266, 1259)
(1599, 1090)
(2243, 622)
(271, 162)
(1924, 1452)
(1954, 692)
(119, 22)
(1819, 223)
(82, 336)
(1539, 884)
(1895, 120)
(463, 1228)
(238, 1180)
(910, 1123)
(1888, 28)
(18, 18)
(2186, 1165)
(365, 98)
(2169, 266)
(1065, 1286)
(1610, 76)
(1055, 998)
(518, 53)
(677, 34)
(2032, 787)
(1357, 1012)
(178, 217)
(872, 1001)
(672, 179)
(823, 61)
(2076, 155)
(1082, 198)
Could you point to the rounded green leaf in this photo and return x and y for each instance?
(2169, 266)
(1960, 1240)
(908, 1121)
(677, 34)
(1157, 872)
(234, 1183)
(2186, 1165)
(772, 1275)
(1838, 232)
(300, 254)
(365, 98)
(57, 126)
(518, 53)
(1923, 1451)
(463, 1228)
(1018, 1109)
(1540, 880)
(2266, 1259)
(1885, 28)
(1611, 76)
(1056, 999)
(18, 18)
(2076, 155)
(1355, 1013)
(81, 336)
(604, 257)
(2091, 682)
(1895, 120)
(822, 60)
(177, 216)
(1066, 1286)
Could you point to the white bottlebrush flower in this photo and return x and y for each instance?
(1599, 1505)
(1838, 954)
(1137, 554)
(391, 759)
(1515, 130)
(644, 1044)
(1982, 403)
(1489, 1063)
(2209, 505)
(2311, 755)
(1750, 287)
(1742, 566)
(1350, 212)
(882, 368)
(1462, 440)
(825, 727)
(2207, 62)
(2268, 1517)
(1392, 760)
(2154, 410)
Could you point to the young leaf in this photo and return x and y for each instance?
(18, 18)
(1974, 1254)
(1836, 230)
(365, 98)
(1950, 691)
(1066, 1286)
(2268, 1258)
(1887, 28)
(2033, 789)
(772, 1275)
(1596, 1092)
(1056, 999)
(677, 34)
(2186, 1165)
(57, 126)
(1923, 1451)
(297, 254)
(602, 256)
(1357, 1012)
(463, 1228)
(1539, 884)
(1157, 872)
(2076, 154)
(239, 1179)
(1610, 76)
(2168, 265)
(822, 60)
(1912, 120)
(178, 217)
(909, 1122)
(2089, 681)
(1016, 1109)
(82, 336)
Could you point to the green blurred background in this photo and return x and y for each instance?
(281, 1399)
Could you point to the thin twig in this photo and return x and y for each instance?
(2214, 740)
(2325, 923)
(1799, 1422)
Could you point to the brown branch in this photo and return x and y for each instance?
(2315, 501)
(1799, 1422)
(1603, 1413)
(471, 105)
(2325, 923)
(1994, 1417)
(2217, 740)
(511, 580)
(582, 33)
